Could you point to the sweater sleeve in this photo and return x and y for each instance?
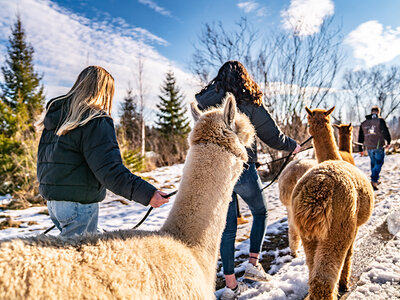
(385, 132)
(102, 154)
(269, 132)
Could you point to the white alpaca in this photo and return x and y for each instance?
(177, 262)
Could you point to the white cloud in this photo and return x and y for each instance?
(373, 44)
(156, 7)
(305, 17)
(65, 43)
(252, 6)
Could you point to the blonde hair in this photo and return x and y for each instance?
(89, 97)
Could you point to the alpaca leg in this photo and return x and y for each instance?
(310, 247)
(328, 261)
(294, 238)
(346, 270)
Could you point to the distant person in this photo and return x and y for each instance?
(373, 133)
(233, 77)
(79, 157)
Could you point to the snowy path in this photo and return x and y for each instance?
(379, 280)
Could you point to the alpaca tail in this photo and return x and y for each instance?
(312, 205)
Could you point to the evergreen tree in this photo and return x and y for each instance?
(21, 101)
(22, 93)
(130, 120)
(172, 120)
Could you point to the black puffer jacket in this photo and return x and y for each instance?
(81, 164)
(265, 126)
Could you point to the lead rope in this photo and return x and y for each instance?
(285, 163)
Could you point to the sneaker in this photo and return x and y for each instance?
(233, 293)
(256, 273)
(374, 185)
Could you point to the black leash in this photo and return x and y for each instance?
(285, 163)
(150, 209)
(137, 225)
(269, 162)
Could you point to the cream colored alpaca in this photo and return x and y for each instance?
(329, 203)
(177, 262)
(297, 168)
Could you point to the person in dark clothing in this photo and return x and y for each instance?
(373, 134)
(232, 77)
(79, 157)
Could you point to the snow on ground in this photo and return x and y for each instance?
(381, 280)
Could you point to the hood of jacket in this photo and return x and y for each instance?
(210, 97)
(57, 113)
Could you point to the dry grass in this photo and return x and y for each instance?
(9, 222)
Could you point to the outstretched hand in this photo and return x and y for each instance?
(297, 150)
(157, 200)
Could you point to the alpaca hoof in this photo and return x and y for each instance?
(293, 254)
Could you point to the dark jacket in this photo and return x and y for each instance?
(265, 126)
(81, 164)
(373, 133)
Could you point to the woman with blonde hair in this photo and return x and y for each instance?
(79, 157)
(233, 77)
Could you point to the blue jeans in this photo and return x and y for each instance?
(249, 188)
(377, 157)
(73, 218)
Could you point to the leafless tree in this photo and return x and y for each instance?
(141, 92)
(377, 86)
(292, 70)
(216, 45)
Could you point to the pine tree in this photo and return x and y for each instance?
(21, 101)
(22, 92)
(172, 119)
(130, 120)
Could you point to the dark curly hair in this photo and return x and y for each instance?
(233, 77)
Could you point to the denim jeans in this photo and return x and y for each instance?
(73, 218)
(377, 157)
(249, 189)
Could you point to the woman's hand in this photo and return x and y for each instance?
(157, 200)
(297, 150)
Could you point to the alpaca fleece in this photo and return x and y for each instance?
(177, 262)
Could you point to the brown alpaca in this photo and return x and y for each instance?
(329, 203)
(296, 169)
(345, 139)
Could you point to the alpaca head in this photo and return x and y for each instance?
(318, 119)
(344, 129)
(223, 126)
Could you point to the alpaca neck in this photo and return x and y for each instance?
(345, 143)
(325, 146)
(198, 216)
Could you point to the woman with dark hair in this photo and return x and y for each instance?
(233, 77)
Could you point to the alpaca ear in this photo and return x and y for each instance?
(309, 111)
(327, 113)
(349, 125)
(230, 110)
(196, 113)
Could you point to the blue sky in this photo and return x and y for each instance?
(67, 35)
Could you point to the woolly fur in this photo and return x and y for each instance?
(329, 203)
(177, 262)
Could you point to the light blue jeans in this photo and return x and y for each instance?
(377, 157)
(73, 218)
